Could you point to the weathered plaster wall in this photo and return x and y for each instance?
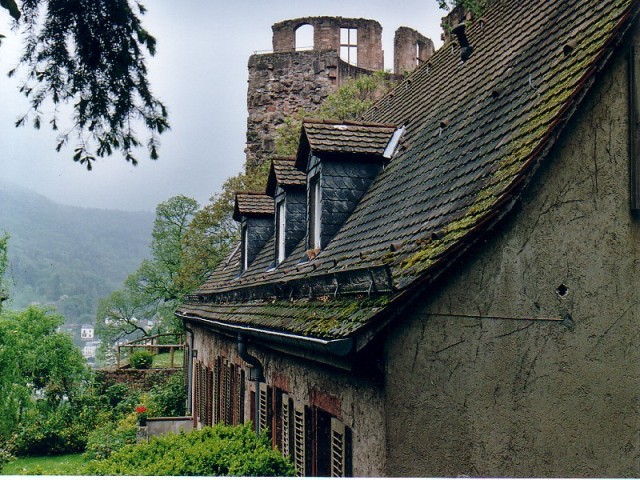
(358, 399)
(469, 393)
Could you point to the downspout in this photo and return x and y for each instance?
(189, 371)
(256, 373)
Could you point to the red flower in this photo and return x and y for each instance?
(141, 409)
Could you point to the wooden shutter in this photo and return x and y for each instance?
(224, 401)
(263, 409)
(340, 449)
(286, 426)
(216, 391)
(209, 395)
(300, 438)
(239, 410)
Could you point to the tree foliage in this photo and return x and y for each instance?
(89, 54)
(348, 102)
(476, 7)
(157, 286)
(34, 356)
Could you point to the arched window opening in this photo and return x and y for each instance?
(304, 37)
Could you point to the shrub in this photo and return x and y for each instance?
(217, 451)
(50, 431)
(142, 359)
(109, 438)
(169, 397)
(5, 457)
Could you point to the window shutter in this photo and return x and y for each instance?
(209, 393)
(239, 410)
(263, 408)
(300, 438)
(286, 426)
(340, 449)
(224, 401)
(216, 391)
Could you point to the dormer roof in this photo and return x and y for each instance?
(283, 172)
(356, 139)
(252, 204)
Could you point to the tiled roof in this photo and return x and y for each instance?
(475, 133)
(327, 136)
(252, 204)
(284, 173)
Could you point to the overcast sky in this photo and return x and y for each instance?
(200, 73)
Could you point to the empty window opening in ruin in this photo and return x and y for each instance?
(421, 53)
(349, 45)
(304, 37)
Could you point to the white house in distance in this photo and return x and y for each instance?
(86, 332)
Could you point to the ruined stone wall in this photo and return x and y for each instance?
(326, 36)
(410, 49)
(280, 84)
(475, 393)
(356, 400)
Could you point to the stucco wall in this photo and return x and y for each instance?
(358, 399)
(469, 393)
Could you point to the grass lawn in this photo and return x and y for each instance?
(162, 360)
(57, 465)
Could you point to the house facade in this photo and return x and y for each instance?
(463, 298)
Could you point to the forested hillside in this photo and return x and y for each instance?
(68, 256)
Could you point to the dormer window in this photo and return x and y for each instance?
(254, 211)
(341, 160)
(245, 247)
(315, 213)
(280, 232)
(287, 185)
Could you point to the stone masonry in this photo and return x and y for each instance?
(289, 80)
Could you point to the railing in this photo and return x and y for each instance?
(170, 343)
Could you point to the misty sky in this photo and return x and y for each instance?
(200, 73)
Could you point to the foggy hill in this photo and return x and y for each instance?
(67, 256)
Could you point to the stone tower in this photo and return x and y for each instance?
(293, 77)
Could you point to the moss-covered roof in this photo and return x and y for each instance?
(475, 132)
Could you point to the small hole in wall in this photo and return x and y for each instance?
(562, 290)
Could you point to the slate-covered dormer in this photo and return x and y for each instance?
(340, 159)
(254, 211)
(286, 185)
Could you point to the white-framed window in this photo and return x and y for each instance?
(280, 232)
(349, 45)
(245, 247)
(315, 203)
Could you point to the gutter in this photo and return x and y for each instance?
(340, 347)
(256, 374)
(189, 372)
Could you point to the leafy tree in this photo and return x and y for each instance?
(156, 288)
(90, 54)
(476, 7)
(35, 356)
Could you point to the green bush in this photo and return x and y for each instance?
(169, 398)
(50, 431)
(217, 451)
(5, 457)
(142, 359)
(111, 437)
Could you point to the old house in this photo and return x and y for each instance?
(451, 285)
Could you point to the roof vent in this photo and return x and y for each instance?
(465, 48)
(569, 47)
